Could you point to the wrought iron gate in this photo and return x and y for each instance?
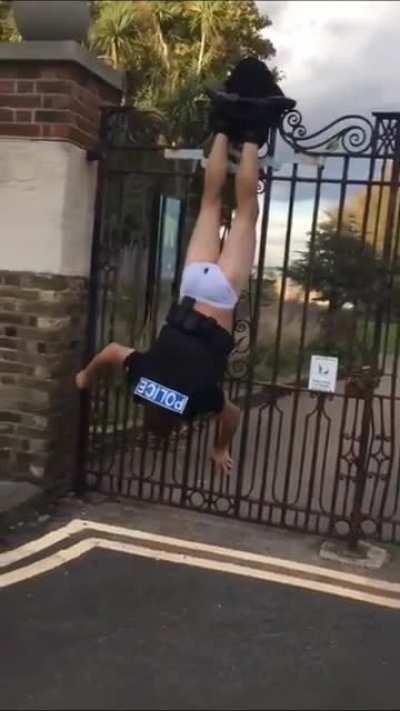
(320, 462)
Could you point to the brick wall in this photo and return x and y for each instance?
(42, 330)
(43, 315)
(59, 101)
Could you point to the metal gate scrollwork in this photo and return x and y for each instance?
(326, 463)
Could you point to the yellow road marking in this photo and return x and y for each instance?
(336, 584)
(78, 549)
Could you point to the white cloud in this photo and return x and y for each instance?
(337, 56)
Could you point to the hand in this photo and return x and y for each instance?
(222, 459)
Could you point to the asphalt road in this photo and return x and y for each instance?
(111, 631)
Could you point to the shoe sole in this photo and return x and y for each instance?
(277, 103)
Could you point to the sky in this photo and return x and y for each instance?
(337, 58)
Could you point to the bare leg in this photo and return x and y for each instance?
(204, 244)
(237, 256)
(112, 355)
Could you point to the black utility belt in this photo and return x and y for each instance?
(183, 317)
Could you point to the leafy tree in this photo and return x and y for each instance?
(340, 267)
(114, 32)
(369, 208)
(345, 272)
(169, 49)
(8, 30)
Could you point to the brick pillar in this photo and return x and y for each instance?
(51, 96)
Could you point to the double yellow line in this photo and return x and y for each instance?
(60, 547)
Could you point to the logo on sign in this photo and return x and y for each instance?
(161, 395)
(323, 374)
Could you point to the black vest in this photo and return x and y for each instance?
(189, 356)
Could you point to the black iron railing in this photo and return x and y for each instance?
(319, 462)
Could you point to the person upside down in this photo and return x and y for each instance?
(179, 378)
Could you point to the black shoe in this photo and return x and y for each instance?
(250, 102)
(246, 119)
(246, 110)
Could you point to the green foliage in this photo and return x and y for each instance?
(340, 267)
(353, 280)
(8, 30)
(114, 31)
(170, 49)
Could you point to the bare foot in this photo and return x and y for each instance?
(82, 381)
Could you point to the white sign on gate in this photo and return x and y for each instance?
(323, 373)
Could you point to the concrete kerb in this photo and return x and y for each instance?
(365, 556)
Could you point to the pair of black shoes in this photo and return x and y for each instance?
(249, 104)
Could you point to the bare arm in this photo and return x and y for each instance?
(227, 424)
(112, 355)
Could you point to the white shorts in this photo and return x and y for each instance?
(206, 282)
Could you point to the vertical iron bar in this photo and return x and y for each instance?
(367, 420)
(314, 459)
(361, 474)
(157, 276)
(254, 329)
(184, 488)
(85, 402)
(278, 338)
(123, 445)
(297, 394)
(390, 256)
(343, 191)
